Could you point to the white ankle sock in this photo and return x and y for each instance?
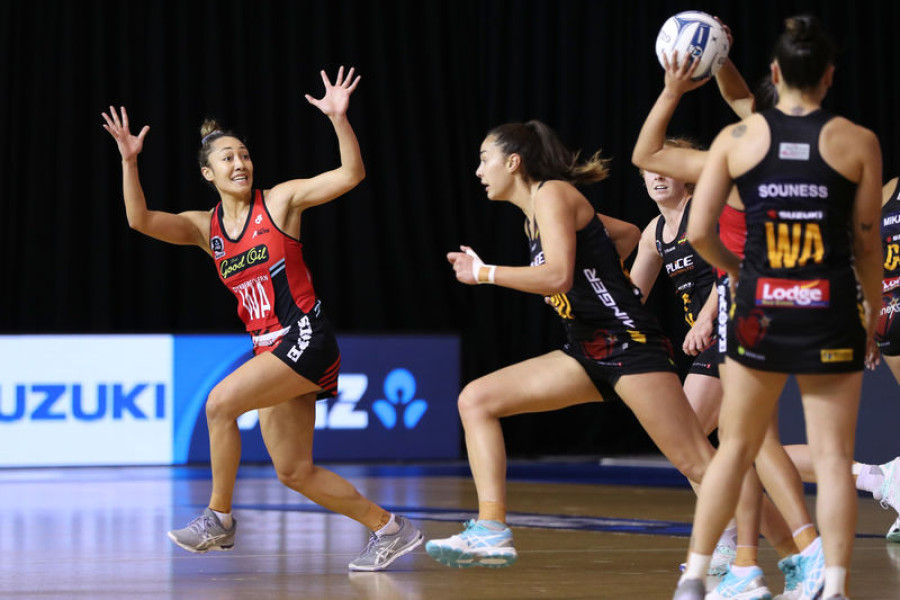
(697, 566)
(225, 519)
(390, 528)
(741, 571)
(835, 579)
(812, 548)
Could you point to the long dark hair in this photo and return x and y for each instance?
(544, 156)
(803, 51)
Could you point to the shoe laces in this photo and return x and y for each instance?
(370, 545)
(201, 524)
(791, 572)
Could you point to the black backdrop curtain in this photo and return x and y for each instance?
(436, 76)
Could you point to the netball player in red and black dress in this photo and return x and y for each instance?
(809, 183)
(253, 237)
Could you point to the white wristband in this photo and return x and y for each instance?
(477, 263)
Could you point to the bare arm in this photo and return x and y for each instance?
(866, 228)
(304, 193)
(648, 262)
(650, 151)
(186, 228)
(735, 90)
(709, 200)
(699, 337)
(555, 209)
(623, 234)
(887, 190)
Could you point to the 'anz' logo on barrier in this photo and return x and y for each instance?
(61, 402)
(400, 401)
(399, 404)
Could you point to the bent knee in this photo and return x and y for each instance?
(220, 406)
(473, 401)
(295, 475)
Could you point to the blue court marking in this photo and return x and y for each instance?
(525, 520)
(525, 471)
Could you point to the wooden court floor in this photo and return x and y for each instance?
(100, 533)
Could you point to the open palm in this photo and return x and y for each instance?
(337, 97)
(129, 145)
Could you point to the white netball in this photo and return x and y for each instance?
(694, 34)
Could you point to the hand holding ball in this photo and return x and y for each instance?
(694, 35)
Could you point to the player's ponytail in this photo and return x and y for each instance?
(544, 156)
(803, 52)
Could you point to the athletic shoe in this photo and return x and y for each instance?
(722, 558)
(893, 534)
(793, 577)
(382, 550)
(748, 587)
(812, 569)
(690, 589)
(481, 543)
(889, 494)
(205, 533)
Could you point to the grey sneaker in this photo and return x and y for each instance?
(690, 589)
(204, 533)
(381, 551)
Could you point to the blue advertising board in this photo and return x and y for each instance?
(126, 400)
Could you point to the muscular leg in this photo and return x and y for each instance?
(704, 393)
(540, 384)
(750, 400)
(287, 429)
(261, 382)
(830, 406)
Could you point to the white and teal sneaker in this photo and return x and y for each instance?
(893, 534)
(889, 494)
(481, 543)
(749, 587)
(812, 569)
(205, 533)
(722, 558)
(793, 577)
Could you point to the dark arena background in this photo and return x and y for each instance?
(435, 76)
(110, 341)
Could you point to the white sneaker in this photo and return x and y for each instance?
(889, 494)
(481, 543)
(893, 534)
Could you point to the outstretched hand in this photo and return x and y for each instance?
(337, 97)
(129, 145)
(679, 73)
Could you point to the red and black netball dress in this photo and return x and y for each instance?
(887, 333)
(265, 270)
(797, 305)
